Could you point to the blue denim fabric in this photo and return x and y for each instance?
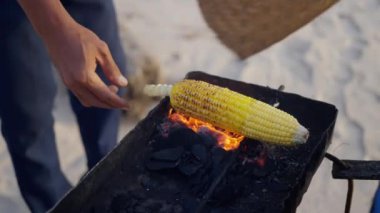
(27, 91)
(376, 202)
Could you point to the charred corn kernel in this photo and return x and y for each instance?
(232, 111)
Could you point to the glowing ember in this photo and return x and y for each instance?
(226, 139)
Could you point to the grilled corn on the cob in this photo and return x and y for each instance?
(232, 111)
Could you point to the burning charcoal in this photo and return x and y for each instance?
(183, 137)
(281, 164)
(264, 170)
(258, 189)
(230, 189)
(200, 182)
(189, 168)
(190, 204)
(218, 155)
(155, 165)
(260, 172)
(199, 152)
(147, 183)
(289, 174)
(226, 194)
(208, 139)
(189, 164)
(252, 148)
(172, 154)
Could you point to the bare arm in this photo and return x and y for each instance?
(76, 51)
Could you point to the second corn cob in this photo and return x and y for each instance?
(232, 111)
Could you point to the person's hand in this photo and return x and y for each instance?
(76, 52)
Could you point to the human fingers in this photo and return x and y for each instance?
(87, 99)
(103, 93)
(111, 70)
(113, 88)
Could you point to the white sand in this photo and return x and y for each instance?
(334, 59)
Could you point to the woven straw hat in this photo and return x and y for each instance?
(249, 26)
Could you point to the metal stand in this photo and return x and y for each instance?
(353, 169)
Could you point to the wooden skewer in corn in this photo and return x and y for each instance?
(233, 111)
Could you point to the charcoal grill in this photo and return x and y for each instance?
(187, 172)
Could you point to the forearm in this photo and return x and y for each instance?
(76, 52)
(48, 17)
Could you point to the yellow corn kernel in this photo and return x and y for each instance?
(232, 111)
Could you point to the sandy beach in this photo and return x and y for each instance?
(334, 59)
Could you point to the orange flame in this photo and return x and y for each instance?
(226, 139)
